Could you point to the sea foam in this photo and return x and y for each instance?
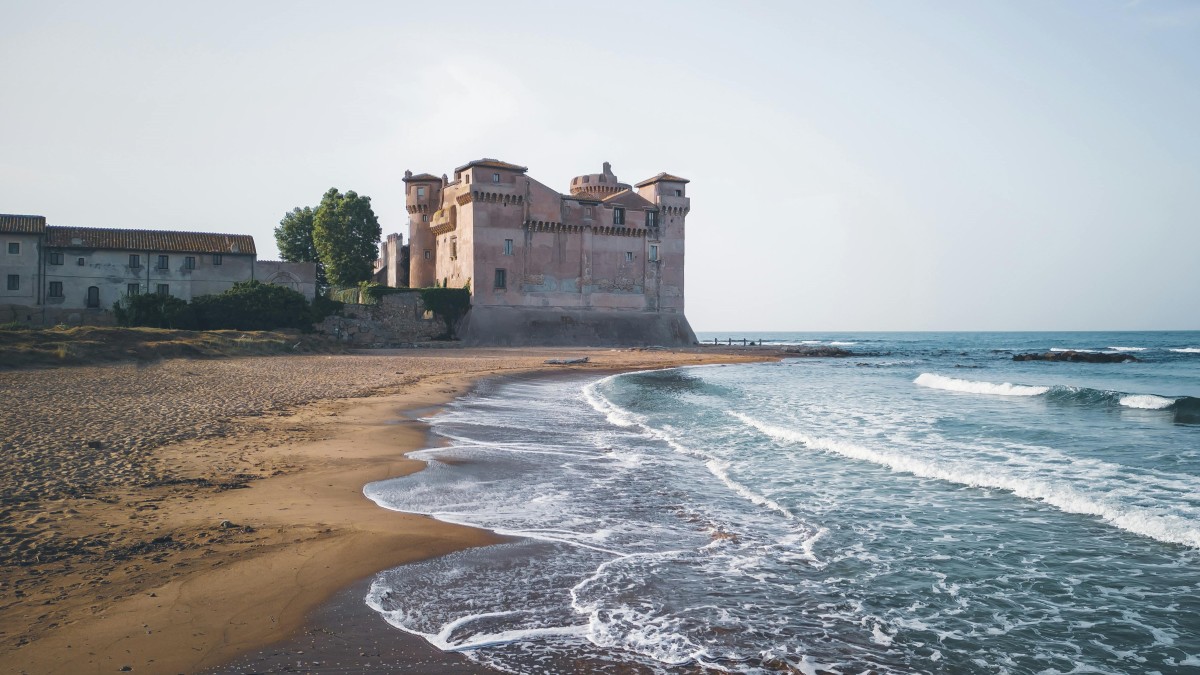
(1187, 350)
(972, 387)
(1148, 522)
(1147, 401)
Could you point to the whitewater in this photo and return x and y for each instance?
(927, 506)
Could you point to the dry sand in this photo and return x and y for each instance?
(165, 518)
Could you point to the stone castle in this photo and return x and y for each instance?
(602, 264)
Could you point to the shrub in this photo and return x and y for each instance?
(323, 306)
(154, 310)
(253, 305)
(448, 304)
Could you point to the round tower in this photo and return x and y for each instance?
(422, 196)
(598, 184)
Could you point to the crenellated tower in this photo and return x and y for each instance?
(423, 197)
(665, 239)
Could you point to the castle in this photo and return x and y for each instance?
(602, 264)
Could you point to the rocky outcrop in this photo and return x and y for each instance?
(1077, 357)
(819, 351)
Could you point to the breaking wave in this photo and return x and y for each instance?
(1065, 495)
(971, 387)
(1187, 350)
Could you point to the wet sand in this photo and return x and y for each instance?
(171, 517)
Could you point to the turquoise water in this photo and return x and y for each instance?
(927, 505)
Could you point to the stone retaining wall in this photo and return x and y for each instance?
(399, 318)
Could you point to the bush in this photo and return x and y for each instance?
(154, 310)
(253, 305)
(448, 304)
(323, 306)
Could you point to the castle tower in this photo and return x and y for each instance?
(423, 197)
(598, 185)
(665, 240)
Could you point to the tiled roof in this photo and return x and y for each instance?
(421, 178)
(629, 199)
(14, 224)
(148, 240)
(492, 163)
(662, 177)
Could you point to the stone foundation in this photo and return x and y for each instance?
(527, 326)
(398, 319)
(49, 315)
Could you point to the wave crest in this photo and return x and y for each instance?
(934, 381)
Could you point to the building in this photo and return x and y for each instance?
(391, 269)
(601, 264)
(75, 274)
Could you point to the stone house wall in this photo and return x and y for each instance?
(399, 318)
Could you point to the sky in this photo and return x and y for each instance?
(854, 166)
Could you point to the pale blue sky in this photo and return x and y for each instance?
(855, 166)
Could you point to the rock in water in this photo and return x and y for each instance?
(1077, 357)
(805, 350)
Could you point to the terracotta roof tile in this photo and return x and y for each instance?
(149, 240)
(492, 163)
(662, 177)
(422, 178)
(629, 199)
(15, 224)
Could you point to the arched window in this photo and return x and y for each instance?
(93, 296)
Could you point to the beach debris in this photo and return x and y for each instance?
(95, 445)
(567, 362)
(1077, 357)
(226, 525)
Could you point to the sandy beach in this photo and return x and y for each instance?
(170, 517)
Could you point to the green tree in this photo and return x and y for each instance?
(346, 235)
(253, 305)
(294, 237)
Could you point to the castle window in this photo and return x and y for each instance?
(14, 247)
(628, 256)
(618, 216)
(14, 282)
(508, 246)
(217, 259)
(454, 248)
(132, 289)
(428, 254)
(93, 296)
(135, 260)
(587, 210)
(420, 192)
(55, 258)
(654, 252)
(189, 263)
(56, 290)
(679, 193)
(652, 219)
(163, 262)
(587, 179)
(495, 178)
(603, 179)
(501, 278)
(425, 218)
(163, 289)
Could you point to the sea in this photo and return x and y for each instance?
(925, 505)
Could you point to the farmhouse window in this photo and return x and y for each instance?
(618, 216)
(14, 247)
(189, 263)
(14, 282)
(164, 262)
(508, 246)
(80, 261)
(55, 257)
(501, 278)
(132, 289)
(135, 260)
(56, 290)
(217, 259)
(93, 296)
(163, 289)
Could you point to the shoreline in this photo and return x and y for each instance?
(286, 544)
